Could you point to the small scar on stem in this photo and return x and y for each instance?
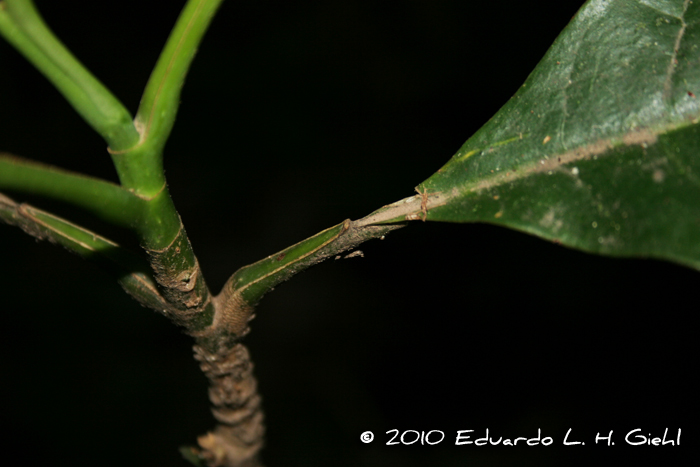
(423, 202)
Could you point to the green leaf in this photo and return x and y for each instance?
(599, 148)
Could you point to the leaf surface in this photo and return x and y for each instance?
(600, 148)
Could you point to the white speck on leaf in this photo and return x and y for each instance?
(658, 176)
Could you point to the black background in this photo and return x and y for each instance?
(295, 116)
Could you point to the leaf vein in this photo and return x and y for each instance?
(668, 84)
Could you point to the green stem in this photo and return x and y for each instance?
(23, 27)
(244, 289)
(161, 98)
(251, 282)
(104, 199)
(130, 270)
(141, 168)
(255, 280)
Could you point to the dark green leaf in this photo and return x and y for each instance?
(599, 149)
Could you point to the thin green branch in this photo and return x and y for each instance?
(249, 284)
(141, 168)
(161, 98)
(23, 27)
(141, 171)
(102, 198)
(130, 270)
(252, 282)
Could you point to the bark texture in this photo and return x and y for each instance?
(217, 323)
(237, 440)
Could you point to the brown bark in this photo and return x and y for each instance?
(237, 440)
